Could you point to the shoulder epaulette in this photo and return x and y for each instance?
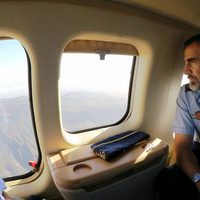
(187, 88)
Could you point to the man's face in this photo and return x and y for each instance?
(192, 65)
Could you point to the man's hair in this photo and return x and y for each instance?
(195, 38)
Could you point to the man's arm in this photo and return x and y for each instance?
(184, 156)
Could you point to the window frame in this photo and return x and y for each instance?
(30, 99)
(92, 46)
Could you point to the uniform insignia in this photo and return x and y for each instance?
(196, 115)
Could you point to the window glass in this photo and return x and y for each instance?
(185, 80)
(94, 91)
(17, 139)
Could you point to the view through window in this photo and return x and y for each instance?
(184, 80)
(17, 140)
(94, 92)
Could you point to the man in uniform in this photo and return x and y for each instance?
(182, 180)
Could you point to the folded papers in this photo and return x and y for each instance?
(110, 147)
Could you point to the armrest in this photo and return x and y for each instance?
(78, 167)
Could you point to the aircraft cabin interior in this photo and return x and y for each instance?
(77, 75)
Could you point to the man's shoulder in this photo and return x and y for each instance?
(185, 92)
(187, 88)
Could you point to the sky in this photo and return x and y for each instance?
(79, 72)
(88, 72)
(13, 69)
(184, 80)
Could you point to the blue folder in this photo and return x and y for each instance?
(112, 146)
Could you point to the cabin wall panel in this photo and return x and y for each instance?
(45, 28)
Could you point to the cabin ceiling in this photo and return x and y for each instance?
(187, 11)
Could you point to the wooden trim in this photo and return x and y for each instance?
(93, 46)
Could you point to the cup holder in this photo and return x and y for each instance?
(82, 168)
